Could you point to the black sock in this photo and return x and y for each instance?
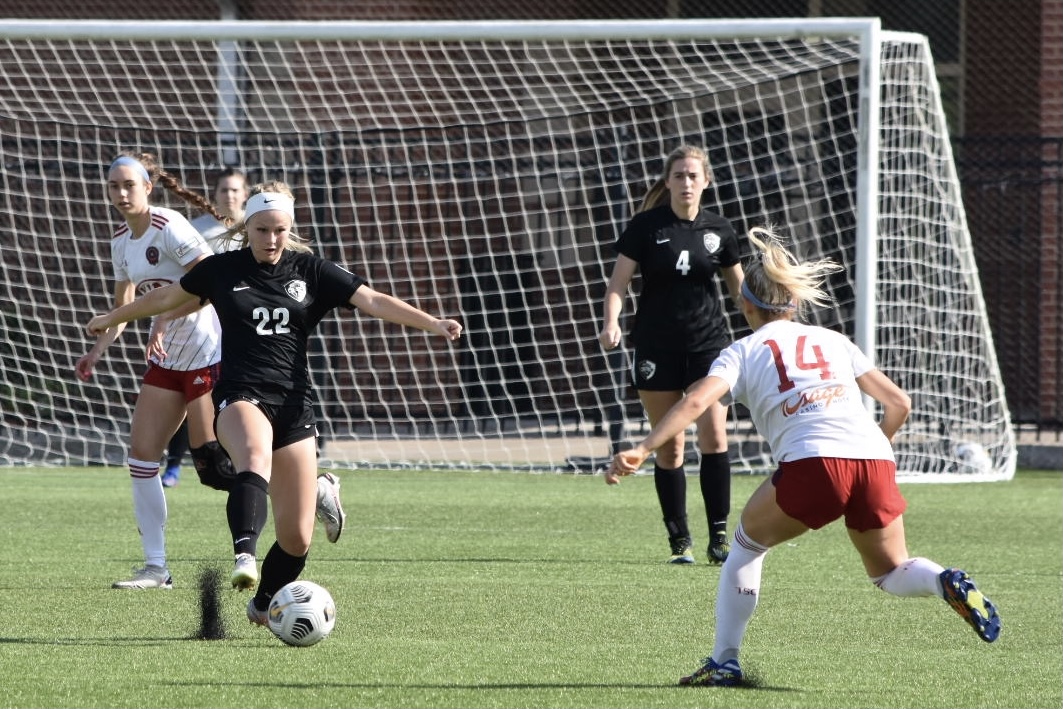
(671, 488)
(279, 568)
(716, 490)
(247, 510)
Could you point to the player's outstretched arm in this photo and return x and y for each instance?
(152, 303)
(390, 308)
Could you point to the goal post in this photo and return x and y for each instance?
(483, 170)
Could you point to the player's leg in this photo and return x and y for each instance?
(175, 453)
(246, 433)
(762, 526)
(293, 492)
(876, 528)
(669, 478)
(715, 478)
(213, 465)
(156, 416)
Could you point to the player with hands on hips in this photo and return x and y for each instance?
(803, 386)
(679, 247)
(269, 297)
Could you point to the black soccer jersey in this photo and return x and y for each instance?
(678, 308)
(267, 312)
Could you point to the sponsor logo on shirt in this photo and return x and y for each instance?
(296, 289)
(150, 284)
(816, 399)
(712, 241)
(185, 248)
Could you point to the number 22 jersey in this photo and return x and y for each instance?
(267, 313)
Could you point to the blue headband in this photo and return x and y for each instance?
(764, 306)
(131, 162)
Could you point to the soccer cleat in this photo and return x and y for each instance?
(718, 548)
(682, 550)
(171, 476)
(729, 674)
(149, 576)
(965, 598)
(329, 509)
(254, 615)
(245, 573)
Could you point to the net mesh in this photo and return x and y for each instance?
(487, 181)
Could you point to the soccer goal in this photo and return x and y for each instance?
(483, 170)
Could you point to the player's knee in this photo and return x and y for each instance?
(213, 466)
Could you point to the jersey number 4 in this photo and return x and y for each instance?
(785, 383)
(266, 323)
(682, 264)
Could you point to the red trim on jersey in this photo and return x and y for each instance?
(159, 221)
(121, 230)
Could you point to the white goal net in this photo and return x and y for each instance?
(483, 171)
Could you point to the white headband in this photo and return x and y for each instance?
(265, 201)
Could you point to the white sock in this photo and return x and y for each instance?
(149, 506)
(915, 577)
(736, 598)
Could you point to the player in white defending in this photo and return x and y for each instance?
(153, 247)
(269, 297)
(803, 386)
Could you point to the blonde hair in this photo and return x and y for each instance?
(156, 175)
(272, 186)
(776, 282)
(658, 192)
(238, 232)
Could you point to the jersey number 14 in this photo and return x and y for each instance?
(785, 383)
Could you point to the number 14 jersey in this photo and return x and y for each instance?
(799, 383)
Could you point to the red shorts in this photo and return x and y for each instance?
(817, 491)
(193, 383)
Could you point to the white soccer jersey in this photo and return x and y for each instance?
(157, 258)
(799, 384)
(214, 232)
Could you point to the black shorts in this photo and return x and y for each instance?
(654, 370)
(291, 422)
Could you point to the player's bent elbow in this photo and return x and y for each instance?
(901, 403)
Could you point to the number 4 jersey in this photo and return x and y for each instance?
(267, 313)
(799, 383)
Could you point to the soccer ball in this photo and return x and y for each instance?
(972, 458)
(302, 613)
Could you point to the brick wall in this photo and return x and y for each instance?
(1051, 117)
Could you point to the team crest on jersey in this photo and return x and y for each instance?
(712, 241)
(647, 369)
(152, 255)
(296, 289)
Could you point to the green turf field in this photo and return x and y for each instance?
(465, 589)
